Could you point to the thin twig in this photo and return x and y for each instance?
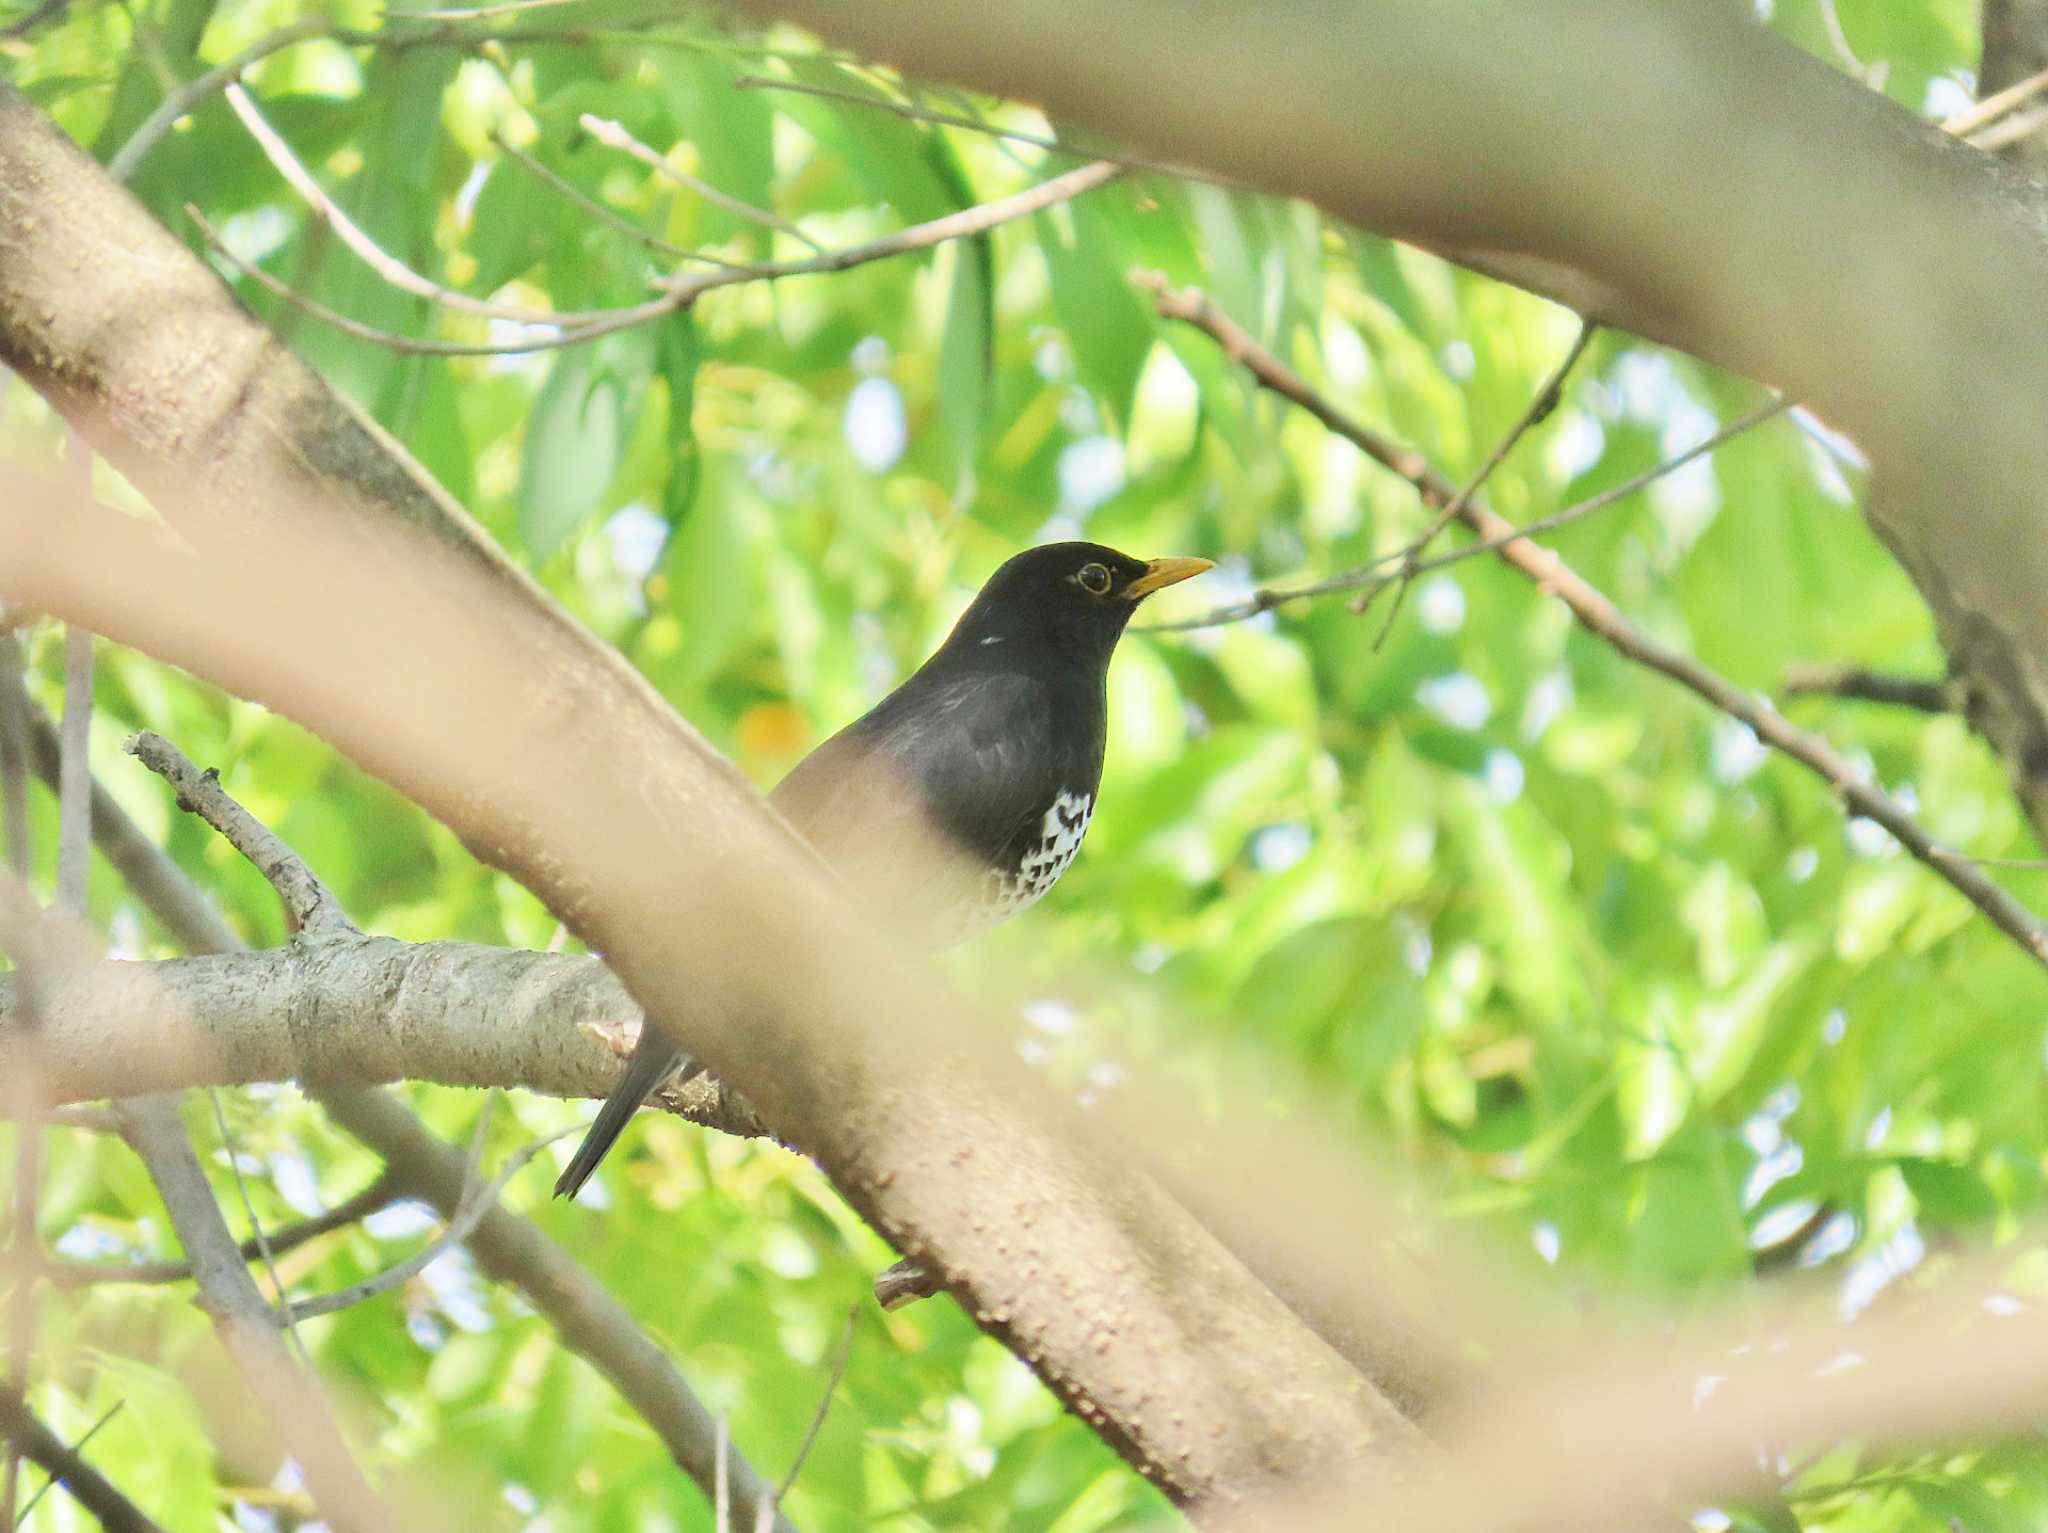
(1598, 614)
(195, 90)
(1541, 404)
(262, 1241)
(457, 1230)
(682, 291)
(610, 217)
(89, 1488)
(1378, 573)
(614, 136)
(803, 1451)
(1996, 105)
(77, 1448)
(1853, 682)
(373, 255)
(76, 1274)
(310, 906)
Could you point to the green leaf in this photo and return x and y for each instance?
(1109, 330)
(967, 357)
(576, 438)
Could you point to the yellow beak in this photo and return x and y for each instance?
(1161, 573)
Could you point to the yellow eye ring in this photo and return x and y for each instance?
(1094, 579)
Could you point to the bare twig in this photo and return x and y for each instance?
(1540, 406)
(682, 291)
(1996, 105)
(215, 80)
(1853, 682)
(1602, 617)
(468, 1214)
(309, 905)
(803, 1451)
(385, 265)
(89, 1488)
(614, 136)
(610, 217)
(256, 1236)
(1195, 308)
(380, 1193)
(78, 1447)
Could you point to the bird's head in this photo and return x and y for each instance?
(1071, 598)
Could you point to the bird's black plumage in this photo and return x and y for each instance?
(960, 797)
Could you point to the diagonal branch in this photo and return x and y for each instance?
(417, 1164)
(1600, 616)
(89, 1488)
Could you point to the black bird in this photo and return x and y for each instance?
(961, 797)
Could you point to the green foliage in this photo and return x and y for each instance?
(1629, 988)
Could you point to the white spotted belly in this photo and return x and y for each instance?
(1005, 891)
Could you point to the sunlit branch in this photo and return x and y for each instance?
(1598, 614)
(385, 265)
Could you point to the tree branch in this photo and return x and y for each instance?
(246, 1326)
(1860, 685)
(89, 1488)
(508, 1247)
(1599, 615)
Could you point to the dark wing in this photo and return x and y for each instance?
(913, 802)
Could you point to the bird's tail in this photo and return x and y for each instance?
(652, 1059)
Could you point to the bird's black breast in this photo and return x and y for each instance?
(958, 800)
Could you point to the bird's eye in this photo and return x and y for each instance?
(1094, 579)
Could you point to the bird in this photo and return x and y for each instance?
(960, 798)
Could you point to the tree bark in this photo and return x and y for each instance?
(1675, 170)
